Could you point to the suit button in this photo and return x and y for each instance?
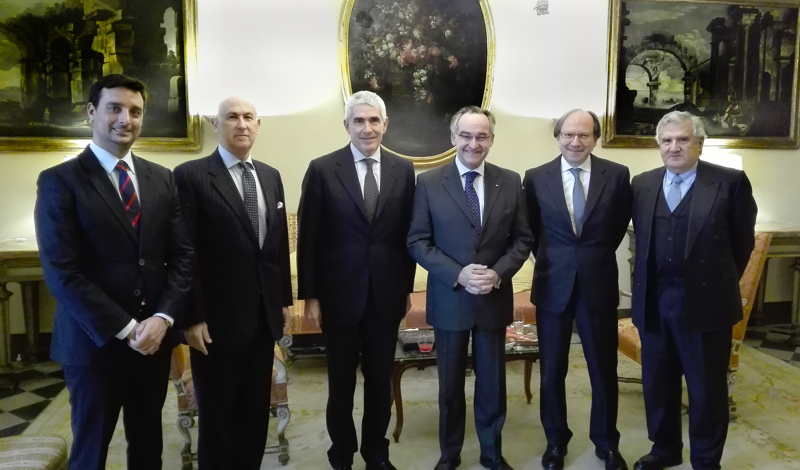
(669, 239)
(702, 261)
(137, 292)
(141, 262)
(703, 284)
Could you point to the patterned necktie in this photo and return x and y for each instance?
(128, 192)
(472, 200)
(370, 191)
(250, 196)
(578, 201)
(674, 194)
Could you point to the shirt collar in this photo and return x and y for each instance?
(230, 160)
(358, 156)
(686, 176)
(585, 166)
(108, 161)
(462, 169)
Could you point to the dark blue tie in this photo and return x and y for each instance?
(250, 196)
(578, 201)
(128, 193)
(472, 200)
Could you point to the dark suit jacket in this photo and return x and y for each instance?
(443, 240)
(339, 254)
(233, 275)
(720, 239)
(561, 256)
(98, 268)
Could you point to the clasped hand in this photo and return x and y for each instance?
(145, 338)
(478, 279)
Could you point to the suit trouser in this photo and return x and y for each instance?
(489, 364)
(374, 339)
(137, 384)
(598, 333)
(232, 386)
(702, 358)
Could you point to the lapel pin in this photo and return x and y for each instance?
(280, 205)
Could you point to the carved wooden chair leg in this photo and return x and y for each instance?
(186, 421)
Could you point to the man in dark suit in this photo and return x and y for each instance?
(580, 207)
(236, 219)
(355, 274)
(694, 224)
(470, 231)
(119, 268)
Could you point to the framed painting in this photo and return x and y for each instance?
(426, 58)
(52, 51)
(734, 64)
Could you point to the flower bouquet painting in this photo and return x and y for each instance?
(426, 59)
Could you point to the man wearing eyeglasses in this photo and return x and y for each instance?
(470, 231)
(579, 208)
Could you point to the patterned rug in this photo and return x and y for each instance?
(765, 436)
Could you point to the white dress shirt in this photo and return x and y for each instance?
(361, 166)
(568, 182)
(687, 177)
(231, 162)
(477, 183)
(109, 163)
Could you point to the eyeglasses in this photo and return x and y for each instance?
(569, 136)
(480, 138)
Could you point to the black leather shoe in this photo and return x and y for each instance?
(385, 465)
(553, 458)
(657, 462)
(343, 467)
(448, 464)
(496, 464)
(612, 458)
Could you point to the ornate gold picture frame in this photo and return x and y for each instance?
(56, 50)
(426, 59)
(734, 64)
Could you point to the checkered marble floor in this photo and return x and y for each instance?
(773, 340)
(34, 390)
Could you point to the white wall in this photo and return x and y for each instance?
(282, 55)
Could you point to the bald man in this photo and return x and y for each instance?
(235, 213)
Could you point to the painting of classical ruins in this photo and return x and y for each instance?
(735, 65)
(51, 51)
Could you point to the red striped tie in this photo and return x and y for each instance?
(128, 192)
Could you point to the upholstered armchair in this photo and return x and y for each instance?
(631, 346)
(181, 376)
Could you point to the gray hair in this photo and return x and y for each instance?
(367, 98)
(471, 110)
(678, 117)
(595, 120)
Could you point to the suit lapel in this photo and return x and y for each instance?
(387, 181)
(346, 172)
(555, 184)
(704, 194)
(99, 179)
(269, 194)
(146, 187)
(223, 183)
(452, 184)
(491, 188)
(597, 182)
(649, 195)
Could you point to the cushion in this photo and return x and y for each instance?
(32, 452)
(629, 342)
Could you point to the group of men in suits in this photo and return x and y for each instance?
(133, 253)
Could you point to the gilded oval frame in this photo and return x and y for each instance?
(426, 161)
